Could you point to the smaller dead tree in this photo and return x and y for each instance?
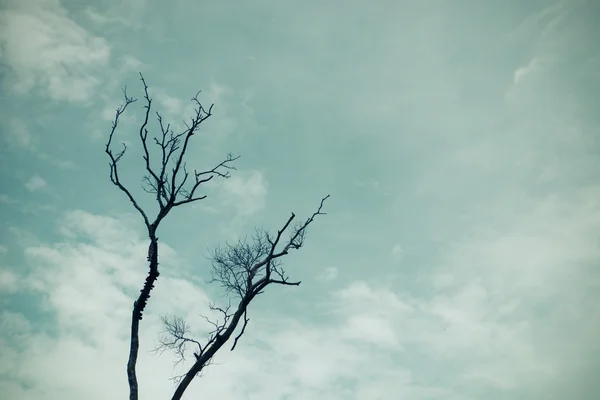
(244, 270)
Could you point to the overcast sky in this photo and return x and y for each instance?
(459, 141)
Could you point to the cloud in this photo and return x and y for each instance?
(370, 314)
(497, 297)
(522, 72)
(503, 301)
(329, 274)
(129, 15)
(8, 281)
(245, 191)
(478, 324)
(23, 236)
(561, 59)
(398, 251)
(497, 284)
(58, 162)
(524, 78)
(171, 107)
(19, 136)
(86, 283)
(243, 195)
(46, 50)
(36, 183)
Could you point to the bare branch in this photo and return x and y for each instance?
(203, 177)
(245, 269)
(246, 320)
(175, 338)
(201, 116)
(144, 138)
(114, 159)
(167, 187)
(176, 334)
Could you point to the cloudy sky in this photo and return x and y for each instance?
(459, 141)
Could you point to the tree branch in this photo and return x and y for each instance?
(114, 159)
(244, 269)
(216, 171)
(246, 320)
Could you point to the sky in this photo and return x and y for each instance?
(459, 140)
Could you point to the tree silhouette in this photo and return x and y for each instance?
(243, 269)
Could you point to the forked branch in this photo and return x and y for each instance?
(166, 180)
(244, 270)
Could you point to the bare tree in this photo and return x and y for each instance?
(243, 269)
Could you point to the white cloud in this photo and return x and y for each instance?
(398, 251)
(370, 313)
(8, 281)
(217, 91)
(246, 191)
(329, 274)
(14, 323)
(106, 232)
(496, 305)
(60, 163)
(35, 183)
(224, 123)
(361, 296)
(524, 80)
(522, 72)
(131, 63)
(130, 14)
(493, 287)
(19, 136)
(44, 49)
(316, 358)
(23, 237)
(371, 328)
(87, 283)
(170, 107)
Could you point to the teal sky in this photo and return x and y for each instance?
(459, 141)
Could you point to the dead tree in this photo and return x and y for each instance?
(244, 269)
